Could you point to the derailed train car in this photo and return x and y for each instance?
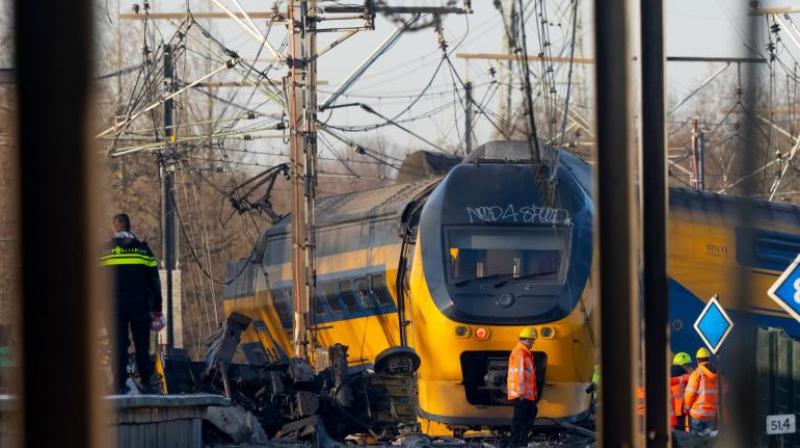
(453, 265)
(475, 257)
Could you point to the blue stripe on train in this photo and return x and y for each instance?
(685, 306)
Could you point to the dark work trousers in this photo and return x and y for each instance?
(524, 414)
(139, 324)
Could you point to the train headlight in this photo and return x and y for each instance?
(547, 332)
(462, 332)
(482, 333)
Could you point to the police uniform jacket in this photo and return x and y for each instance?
(134, 268)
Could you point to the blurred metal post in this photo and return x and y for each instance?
(619, 319)
(654, 193)
(61, 406)
(736, 362)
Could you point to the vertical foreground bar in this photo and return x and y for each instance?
(739, 411)
(53, 52)
(619, 327)
(654, 220)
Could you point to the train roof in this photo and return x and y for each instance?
(382, 202)
(391, 200)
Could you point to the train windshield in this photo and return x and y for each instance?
(504, 255)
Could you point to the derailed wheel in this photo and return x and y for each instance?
(397, 360)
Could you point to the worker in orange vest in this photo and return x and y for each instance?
(522, 390)
(681, 370)
(701, 394)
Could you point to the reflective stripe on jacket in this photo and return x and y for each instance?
(677, 387)
(701, 393)
(134, 270)
(521, 374)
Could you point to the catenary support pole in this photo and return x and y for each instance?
(619, 317)
(467, 118)
(301, 85)
(60, 303)
(654, 193)
(167, 168)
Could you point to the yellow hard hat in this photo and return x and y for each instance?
(702, 352)
(681, 359)
(527, 333)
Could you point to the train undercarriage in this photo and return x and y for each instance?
(332, 403)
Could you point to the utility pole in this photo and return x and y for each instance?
(701, 159)
(509, 41)
(698, 156)
(167, 169)
(302, 87)
(468, 117)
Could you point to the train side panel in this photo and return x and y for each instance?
(706, 251)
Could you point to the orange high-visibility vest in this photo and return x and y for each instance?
(521, 374)
(677, 386)
(701, 393)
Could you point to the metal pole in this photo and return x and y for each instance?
(302, 83)
(509, 29)
(701, 162)
(168, 194)
(654, 194)
(468, 118)
(619, 319)
(60, 303)
(737, 356)
(695, 159)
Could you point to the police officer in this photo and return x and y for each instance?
(522, 387)
(137, 306)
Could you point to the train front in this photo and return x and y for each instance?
(493, 255)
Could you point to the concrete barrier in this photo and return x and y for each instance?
(156, 421)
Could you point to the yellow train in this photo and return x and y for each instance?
(454, 264)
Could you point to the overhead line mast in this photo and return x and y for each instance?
(301, 90)
(301, 85)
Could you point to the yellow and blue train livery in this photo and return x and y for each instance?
(455, 265)
(476, 255)
(706, 248)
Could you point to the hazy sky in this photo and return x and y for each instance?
(694, 28)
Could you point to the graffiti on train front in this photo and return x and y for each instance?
(511, 214)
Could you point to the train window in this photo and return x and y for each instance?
(319, 305)
(282, 298)
(772, 250)
(533, 255)
(362, 289)
(379, 289)
(349, 298)
(332, 296)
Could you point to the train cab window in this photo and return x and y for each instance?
(349, 298)
(502, 254)
(379, 290)
(332, 296)
(362, 289)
